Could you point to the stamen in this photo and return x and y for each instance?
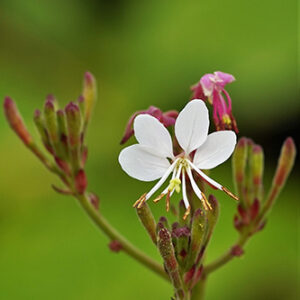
(205, 177)
(187, 212)
(138, 202)
(230, 194)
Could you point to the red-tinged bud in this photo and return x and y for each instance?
(284, 167)
(163, 220)
(80, 182)
(166, 249)
(254, 209)
(237, 251)
(94, 199)
(15, 121)
(90, 95)
(147, 219)
(115, 246)
(167, 119)
(239, 161)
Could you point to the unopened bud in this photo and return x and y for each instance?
(284, 167)
(63, 135)
(89, 94)
(51, 124)
(80, 182)
(239, 161)
(74, 134)
(166, 249)
(257, 166)
(73, 123)
(40, 125)
(15, 121)
(181, 236)
(146, 217)
(199, 230)
(212, 216)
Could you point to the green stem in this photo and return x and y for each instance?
(113, 234)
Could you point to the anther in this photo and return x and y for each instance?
(230, 194)
(206, 201)
(158, 198)
(168, 201)
(187, 212)
(140, 201)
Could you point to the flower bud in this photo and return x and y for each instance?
(74, 134)
(199, 230)
(167, 119)
(39, 123)
(257, 169)
(73, 123)
(180, 237)
(51, 123)
(80, 181)
(166, 249)
(212, 216)
(146, 217)
(63, 135)
(239, 161)
(15, 121)
(284, 167)
(90, 95)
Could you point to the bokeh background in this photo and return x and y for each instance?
(142, 53)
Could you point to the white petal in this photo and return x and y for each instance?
(150, 132)
(191, 126)
(216, 149)
(139, 162)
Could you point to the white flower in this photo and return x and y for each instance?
(152, 158)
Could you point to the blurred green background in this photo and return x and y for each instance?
(142, 53)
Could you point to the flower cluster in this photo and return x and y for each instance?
(62, 132)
